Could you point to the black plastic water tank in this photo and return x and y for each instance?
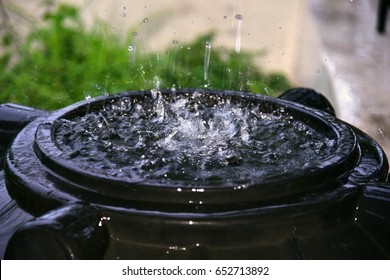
(337, 208)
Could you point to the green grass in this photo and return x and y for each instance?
(62, 62)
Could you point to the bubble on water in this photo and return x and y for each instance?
(131, 48)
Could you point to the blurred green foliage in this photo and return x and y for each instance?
(62, 62)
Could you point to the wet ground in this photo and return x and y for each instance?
(358, 61)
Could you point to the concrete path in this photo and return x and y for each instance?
(358, 61)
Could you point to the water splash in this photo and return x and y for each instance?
(88, 98)
(239, 19)
(194, 136)
(207, 55)
(157, 82)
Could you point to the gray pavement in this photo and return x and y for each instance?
(358, 62)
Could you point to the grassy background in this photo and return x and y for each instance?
(62, 62)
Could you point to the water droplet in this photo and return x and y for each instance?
(157, 82)
(318, 71)
(145, 20)
(382, 132)
(175, 42)
(131, 50)
(123, 14)
(207, 60)
(154, 93)
(135, 33)
(239, 17)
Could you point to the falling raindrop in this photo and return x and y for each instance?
(239, 18)
(131, 50)
(157, 82)
(88, 98)
(382, 133)
(172, 56)
(207, 60)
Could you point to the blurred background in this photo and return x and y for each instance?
(331, 46)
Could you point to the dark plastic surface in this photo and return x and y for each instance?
(13, 118)
(69, 183)
(338, 210)
(309, 98)
(71, 232)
